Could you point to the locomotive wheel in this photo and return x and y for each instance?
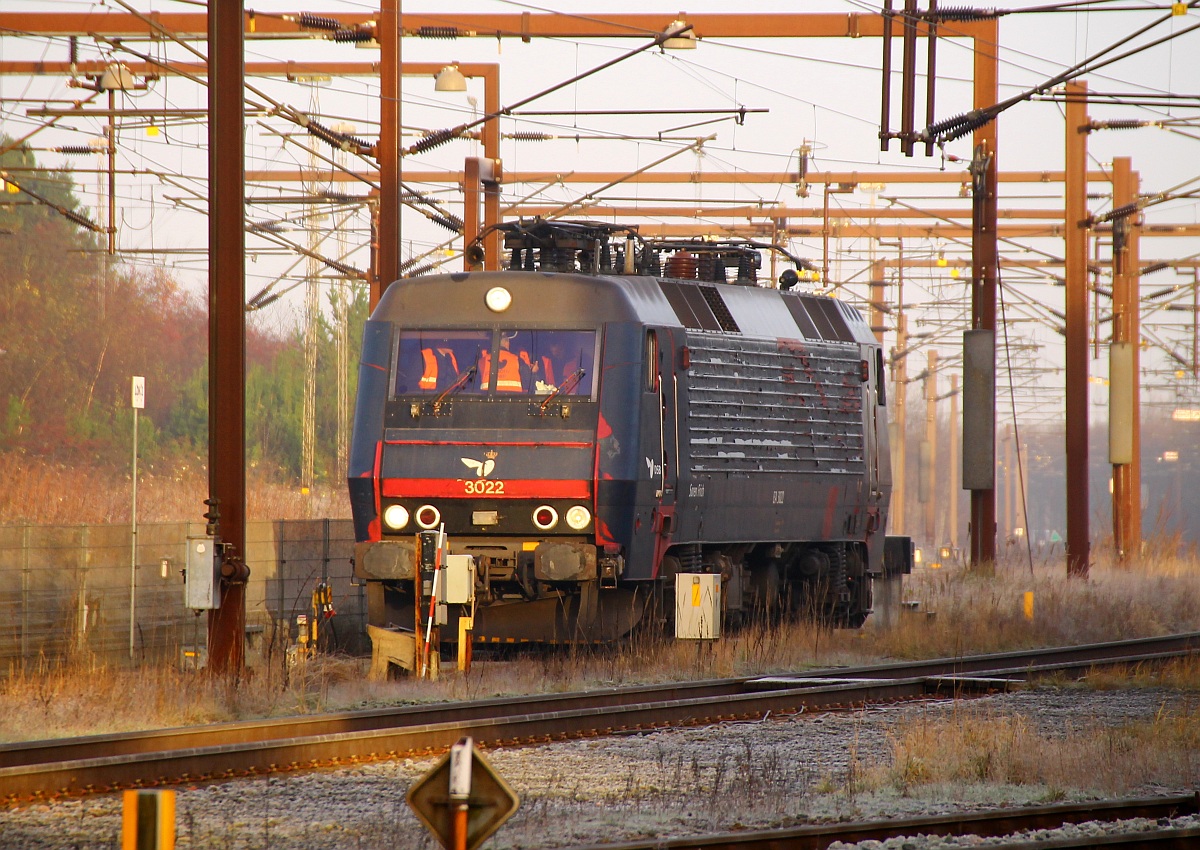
(770, 593)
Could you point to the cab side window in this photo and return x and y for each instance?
(651, 361)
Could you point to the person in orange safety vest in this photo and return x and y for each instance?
(512, 370)
(441, 368)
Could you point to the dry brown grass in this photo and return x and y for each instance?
(959, 613)
(49, 492)
(970, 747)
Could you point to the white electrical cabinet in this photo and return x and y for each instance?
(201, 586)
(698, 606)
(460, 580)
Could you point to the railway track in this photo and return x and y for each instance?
(984, 824)
(81, 766)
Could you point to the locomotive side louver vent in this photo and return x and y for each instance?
(719, 310)
(819, 318)
(795, 306)
(759, 407)
(838, 329)
(690, 306)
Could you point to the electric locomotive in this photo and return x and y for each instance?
(608, 412)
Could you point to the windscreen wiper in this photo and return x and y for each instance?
(565, 387)
(462, 381)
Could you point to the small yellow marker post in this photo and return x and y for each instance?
(1029, 605)
(465, 626)
(148, 820)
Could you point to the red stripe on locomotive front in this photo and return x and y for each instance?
(375, 527)
(485, 488)
(488, 443)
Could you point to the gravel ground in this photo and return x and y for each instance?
(779, 772)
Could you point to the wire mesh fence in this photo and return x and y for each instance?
(68, 592)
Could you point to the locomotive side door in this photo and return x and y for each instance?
(877, 423)
(870, 420)
(668, 430)
(878, 449)
(660, 443)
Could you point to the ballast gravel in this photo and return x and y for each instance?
(783, 771)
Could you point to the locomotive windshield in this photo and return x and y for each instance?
(510, 362)
(432, 361)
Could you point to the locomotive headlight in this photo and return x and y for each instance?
(428, 516)
(498, 299)
(578, 517)
(396, 517)
(545, 517)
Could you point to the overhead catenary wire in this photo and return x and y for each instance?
(958, 126)
(340, 140)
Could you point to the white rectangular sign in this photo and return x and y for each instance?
(139, 392)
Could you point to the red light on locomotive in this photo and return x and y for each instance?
(428, 516)
(545, 517)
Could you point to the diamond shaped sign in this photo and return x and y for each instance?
(489, 801)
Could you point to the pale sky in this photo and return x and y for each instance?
(819, 92)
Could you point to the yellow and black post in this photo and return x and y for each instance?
(148, 820)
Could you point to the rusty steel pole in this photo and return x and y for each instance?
(1076, 256)
(929, 450)
(491, 150)
(899, 439)
(984, 256)
(876, 299)
(1126, 464)
(1010, 485)
(227, 330)
(110, 131)
(387, 153)
(954, 478)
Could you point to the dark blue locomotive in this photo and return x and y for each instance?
(607, 413)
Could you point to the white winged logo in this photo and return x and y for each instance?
(483, 468)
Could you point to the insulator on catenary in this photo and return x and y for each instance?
(970, 127)
(79, 150)
(448, 220)
(80, 220)
(317, 22)
(420, 270)
(334, 138)
(962, 13)
(349, 271)
(1154, 267)
(438, 32)
(434, 140)
(1123, 211)
(959, 125)
(529, 136)
(415, 198)
(1120, 124)
(358, 35)
(948, 124)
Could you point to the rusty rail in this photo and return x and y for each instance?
(989, 823)
(81, 766)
